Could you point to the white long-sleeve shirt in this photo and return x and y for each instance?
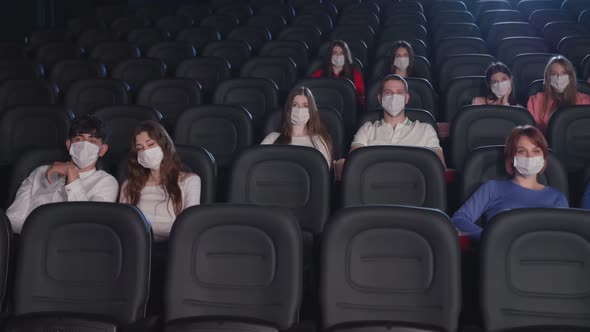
(159, 211)
(96, 186)
(302, 141)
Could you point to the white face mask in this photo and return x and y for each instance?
(84, 154)
(299, 115)
(393, 104)
(338, 60)
(402, 62)
(151, 158)
(501, 89)
(560, 82)
(529, 166)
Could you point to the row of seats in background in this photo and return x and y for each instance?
(86, 266)
(451, 39)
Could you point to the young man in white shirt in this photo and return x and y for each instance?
(71, 181)
(395, 128)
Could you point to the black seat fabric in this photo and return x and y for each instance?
(136, 72)
(52, 53)
(339, 94)
(20, 69)
(258, 96)
(92, 271)
(86, 96)
(111, 53)
(172, 53)
(199, 36)
(254, 283)
(296, 50)
(235, 52)
(281, 70)
(67, 72)
(394, 175)
(390, 267)
(170, 97)
(224, 130)
(208, 71)
(195, 159)
(463, 65)
(568, 136)
(27, 92)
(488, 163)
(510, 47)
(481, 125)
(460, 92)
(49, 123)
(292, 177)
(145, 38)
(533, 274)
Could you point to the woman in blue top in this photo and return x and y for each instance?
(525, 157)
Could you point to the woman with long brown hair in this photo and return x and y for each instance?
(157, 183)
(559, 90)
(402, 59)
(338, 64)
(302, 124)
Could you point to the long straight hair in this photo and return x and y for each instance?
(169, 169)
(347, 70)
(494, 68)
(554, 99)
(411, 57)
(314, 126)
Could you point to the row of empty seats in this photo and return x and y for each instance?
(87, 265)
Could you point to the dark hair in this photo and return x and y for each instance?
(554, 99)
(169, 170)
(392, 77)
(494, 68)
(347, 70)
(511, 145)
(314, 126)
(399, 44)
(89, 124)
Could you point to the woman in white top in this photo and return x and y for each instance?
(302, 124)
(156, 183)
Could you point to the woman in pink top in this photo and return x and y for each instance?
(559, 90)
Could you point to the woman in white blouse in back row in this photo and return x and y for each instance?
(157, 183)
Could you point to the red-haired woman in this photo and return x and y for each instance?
(525, 157)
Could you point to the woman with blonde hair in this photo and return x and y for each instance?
(302, 124)
(559, 90)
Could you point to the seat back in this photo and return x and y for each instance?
(296, 50)
(213, 276)
(510, 47)
(463, 65)
(84, 258)
(481, 125)
(199, 36)
(279, 69)
(69, 71)
(258, 96)
(136, 72)
(487, 163)
(27, 92)
(84, 97)
(224, 130)
(389, 259)
(459, 45)
(335, 93)
(208, 71)
(235, 52)
(287, 176)
(111, 53)
(525, 69)
(398, 175)
(533, 261)
(49, 123)
(460, 92)
(568, 137)
(172, 53)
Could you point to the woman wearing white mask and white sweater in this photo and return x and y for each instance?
(302, 125)
(498, 87)
(156, 183)
(559, 90)
(338, 64)
(525, 157)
